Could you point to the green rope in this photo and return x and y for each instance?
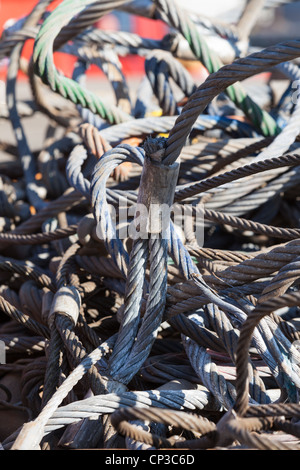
(44, 65)
(181, 21)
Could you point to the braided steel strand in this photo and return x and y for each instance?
(159, 67)
(8, 42)
(23, 269)
(31, 433)
(94, 140)
(207, 370)
(38, 238)
(68, 200)
(152, 125)
(245, 224)
(145, 8)
(108, 61)
(285, 278)
(26, 158)
(183, 260)
(288, 329)
(23, 319)
(229, 336)
(201, 335)
(240, 69)
(180, 20)
(290, 131)
(276, 350)
(74, 174)
(197, 301)
(233, 155)
(288, 410)
(182, 399)
(97, 145)
(154, 310)
(255, 199)
(132, 42)
(23, 345)
(44, 65)
(235, 174)
(239, 429)
(106, 229)
(216, 254)
(262, 265)
(131, 315)
(54, 363)
(66, 270)
(85, 19)
(65, 327)
(246, 332)
(179, 419)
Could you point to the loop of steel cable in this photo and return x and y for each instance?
(135, 342)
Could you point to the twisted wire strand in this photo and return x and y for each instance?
(54, 365)
(273, 346)
(246, 332)
(130, 320)
(176, 418)
(65, 327)
(245, 224)
(255, 199)
(290, 131)
(227, 164)
(217, 82)
(106, 229)
(159, 67)
(25, 270)
(238, 429)
(182, 399)
(180, 20)
(150, 125)
(25, 154)
(94, 36)
(71, 198)
(206, 369)
(229, 335)
(109, 63)
(154, 310)
(45, 69)
(285, 278)
(38, 238)
(259, 266)
(23, 344)
(9, 41)
(22, 318)
(240, 172)
(30, 435)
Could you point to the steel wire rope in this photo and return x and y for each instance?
(217, 82)
(107, 403)
(45, 69)
(241, 404)
(181, 20)
(25, 154)
(31, 433)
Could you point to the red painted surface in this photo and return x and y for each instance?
(132, 65)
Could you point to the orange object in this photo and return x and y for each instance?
(32, 210)
(134, 141)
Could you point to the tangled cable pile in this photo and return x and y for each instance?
(150, 341)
